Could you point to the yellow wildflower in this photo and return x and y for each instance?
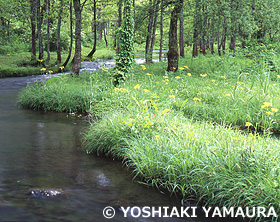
(223, 77)
(61, 67)
(203, 75)
(246, 73)
(50, 71)
(166, 83)
(213, 80)
(227, 94)
(148, 74)
(137, 86)
(189, 74)
(196, 99)
(181, 68)
(157, 137)
(274, 110)
(146, 90)
(166, 77)
(43, 69)
(248, 124)
(166, 110)
(269, 113)
(186, 67)
(177, 77)
(143, 67)
(171, 96)
(265, 105)
(278, 76)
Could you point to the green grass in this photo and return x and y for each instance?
(209, 164)
(180, 131)
(103, 53)
(18, 64)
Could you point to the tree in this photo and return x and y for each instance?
(94, 30)
(181, 38)
(71, 37)
(78, 7)
(173, 54)
(124, 62)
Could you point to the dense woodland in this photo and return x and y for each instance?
(208, 26)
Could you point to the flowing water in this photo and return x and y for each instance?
(43, 151)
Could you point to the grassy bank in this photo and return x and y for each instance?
(181, 131)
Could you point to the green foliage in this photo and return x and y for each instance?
(125, 58)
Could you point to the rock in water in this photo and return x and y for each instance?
(44, 193)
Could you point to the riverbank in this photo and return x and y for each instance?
(19, 64)
(194, 131)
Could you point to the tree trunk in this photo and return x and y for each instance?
(223, 40)
(58, 45)
(119, 26)
(212, 46)
(154, 33)
(161, 31)
(48, 31)
(99, 25)
(173, 55)
(105, 39)
(94, 30)
(181, 38)
(219, 45)
(149, 35)
(33, 7)
(195, 39)
(77, 55)
(71, 37)
(39, 29)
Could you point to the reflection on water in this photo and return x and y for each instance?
(43, 151)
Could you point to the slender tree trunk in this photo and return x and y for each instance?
(119, 26)
(212, 46)
(33, 6)
(219, 45)
(149, 35)
(223, 40)
(195, 39)
(173, 55)
(161, 31)
(99, 25)
(39, 29)
(71, 37)
(58, 45)
(77, 56)
(181, 38)
(105, 39)
(154, 34)
(94, 30)
(48, 30)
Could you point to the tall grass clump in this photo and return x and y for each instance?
(207, 163)
(65, 93)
